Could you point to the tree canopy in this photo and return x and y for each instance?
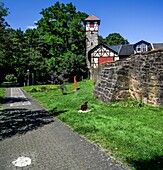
(3, 14)
(61, 27)
(3, 38)
(115, 39)
(55, 47)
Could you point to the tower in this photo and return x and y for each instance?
(91, 24)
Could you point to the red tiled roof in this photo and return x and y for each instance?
(92, 18)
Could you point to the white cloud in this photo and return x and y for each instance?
(31, 27)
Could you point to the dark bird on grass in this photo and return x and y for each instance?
(84, 107)
(140, 104)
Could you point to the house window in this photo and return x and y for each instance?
(141, 48)
(144, 47)
(138, 48)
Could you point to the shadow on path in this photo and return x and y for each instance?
(8, 100)
(1, 99)
(19, 121)
(155, 163)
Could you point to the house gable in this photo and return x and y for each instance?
(142, 46)
(100, 54)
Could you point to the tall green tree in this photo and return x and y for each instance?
(15, 59)
(115, 39)
(3, 38)
(23, 53)
(61, 27)
(37, 54)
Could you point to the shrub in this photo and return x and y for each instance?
(33, 90)
(11, 78)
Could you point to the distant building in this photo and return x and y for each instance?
(99, 53)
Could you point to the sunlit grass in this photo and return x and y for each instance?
(130, 132)
(2, 94)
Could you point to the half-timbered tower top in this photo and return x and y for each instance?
(92, 23)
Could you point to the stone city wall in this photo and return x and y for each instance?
(140, 77)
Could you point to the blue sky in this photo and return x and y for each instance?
(135, 20)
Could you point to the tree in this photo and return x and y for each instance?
(101, 39)
(22, 53)
(62, 30)
(73, 65)
(27, 55)
(57, 45)
(115, 39)
(3, 38)
(17, 58)
(3, 13)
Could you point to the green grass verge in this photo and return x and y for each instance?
(2, 94)
(131, 133)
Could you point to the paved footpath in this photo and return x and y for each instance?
(28, 130)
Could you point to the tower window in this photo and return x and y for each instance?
(91, 24)
(91, 43)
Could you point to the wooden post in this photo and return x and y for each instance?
(75, 83)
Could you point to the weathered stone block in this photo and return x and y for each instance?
(139, 76)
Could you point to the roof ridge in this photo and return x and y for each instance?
(92, 17)
(152, 46)
(119, 50)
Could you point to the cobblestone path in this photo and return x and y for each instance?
(27, 129)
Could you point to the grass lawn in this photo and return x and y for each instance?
(130, 133)
(2, 94)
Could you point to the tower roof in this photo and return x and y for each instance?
(92, 18)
